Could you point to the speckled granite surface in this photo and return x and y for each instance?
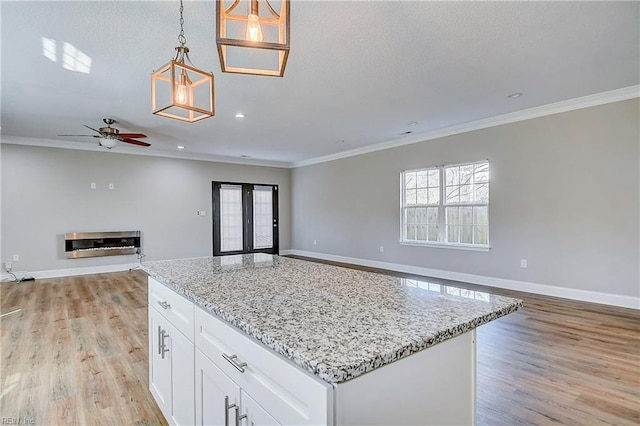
(334, 322)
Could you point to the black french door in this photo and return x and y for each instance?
(245, 218)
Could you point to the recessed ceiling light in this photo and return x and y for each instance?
(514, 95)
(180, 146)
(413, 123)
(241, 115)
(340, 141)
(245, 156)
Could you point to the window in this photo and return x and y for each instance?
(446, 205)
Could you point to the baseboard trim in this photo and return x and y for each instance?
(543, 289)
(285, 252)
(69, 272)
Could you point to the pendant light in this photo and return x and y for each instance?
(253, 43)
(182, 91)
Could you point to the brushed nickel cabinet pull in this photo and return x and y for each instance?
(227, 407)
(159, 340)
(164, 304)
(232, 359)
(164, 349)
(239, 417)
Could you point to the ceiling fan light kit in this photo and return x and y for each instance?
(181, 91)
(108, 142)
(256, 42)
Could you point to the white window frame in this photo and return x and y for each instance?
(442, 225)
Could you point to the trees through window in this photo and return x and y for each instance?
(446, 205)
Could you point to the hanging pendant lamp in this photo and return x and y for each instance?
(182, 91)
(253, 43)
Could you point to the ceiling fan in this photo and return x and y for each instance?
(110, 136)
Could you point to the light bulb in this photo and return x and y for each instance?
(181, 93)
(254, 31)
(182, 89)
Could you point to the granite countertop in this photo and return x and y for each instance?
(334, 322)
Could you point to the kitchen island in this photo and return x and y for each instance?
(276, 340)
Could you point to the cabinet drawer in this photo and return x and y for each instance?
(171, 305)
(290, 395)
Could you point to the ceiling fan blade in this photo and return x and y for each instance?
(132, 135)
(97, 131)
(91, 136)
(135, 142)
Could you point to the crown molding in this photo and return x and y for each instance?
(512, 117)
(603, 98)
(54, 143)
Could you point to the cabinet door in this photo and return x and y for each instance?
(171, 366)
(181, 359)
(256, 415)
(212, 387)
(159, 367)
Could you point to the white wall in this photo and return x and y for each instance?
(564, 195)
(46, 193)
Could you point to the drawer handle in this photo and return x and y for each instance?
(232, 359)
(165, 305)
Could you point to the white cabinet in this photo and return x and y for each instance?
(221, 402)
(216, 394)
(289, 395)
(171, 361)
(255, 415)
(204, 371)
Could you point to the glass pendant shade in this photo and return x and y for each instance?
(256, 42)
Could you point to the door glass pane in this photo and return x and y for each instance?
(262, 217)
(231, 235)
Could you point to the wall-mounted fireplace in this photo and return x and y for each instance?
(92, 244)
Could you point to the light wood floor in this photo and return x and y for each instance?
(76, 354)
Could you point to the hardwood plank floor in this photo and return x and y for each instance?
(77, 354)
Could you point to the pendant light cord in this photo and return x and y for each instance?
(182, 52)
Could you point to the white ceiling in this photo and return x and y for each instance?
(357, 72)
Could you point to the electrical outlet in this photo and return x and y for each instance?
(315, 242)
(16, 258)
(381, 249)
(111, 186)
(7, 265)
(523, 263)
(93, 185)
